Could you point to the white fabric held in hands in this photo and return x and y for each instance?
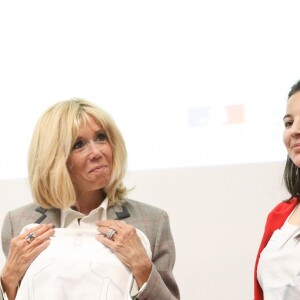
(76, 266)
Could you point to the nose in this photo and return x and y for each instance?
(94, 151)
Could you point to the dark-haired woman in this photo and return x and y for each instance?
(277, 268)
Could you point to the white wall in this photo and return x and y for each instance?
(217, 218)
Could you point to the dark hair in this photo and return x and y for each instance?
(294, 89)
(291, 174)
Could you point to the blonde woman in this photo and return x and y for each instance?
(82, 238)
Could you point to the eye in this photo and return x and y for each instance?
(78, 144)
(101, 136)
(288, 123)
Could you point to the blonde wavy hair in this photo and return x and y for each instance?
(53, 138)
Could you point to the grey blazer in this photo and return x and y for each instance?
(153, 221)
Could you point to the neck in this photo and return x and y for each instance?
(88, 201)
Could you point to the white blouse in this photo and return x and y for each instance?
(278, 270)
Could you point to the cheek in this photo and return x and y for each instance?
(108, 153)
(286, 139)
(74, 164)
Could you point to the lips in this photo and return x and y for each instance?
(97, 168)
(297, 145)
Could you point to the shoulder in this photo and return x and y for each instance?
(17, 218)
(279, 214)
(21, 214)
(285, 206)
(139, 208)
(23, 209)
(148, 218)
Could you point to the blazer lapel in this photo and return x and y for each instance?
(117, 212)
(48, 216)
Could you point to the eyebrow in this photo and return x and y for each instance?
(286, 116)
(101, 130)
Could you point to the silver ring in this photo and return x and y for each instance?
(110, 233)
(30, 237)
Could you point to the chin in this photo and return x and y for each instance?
(296, 162)
(102, 185)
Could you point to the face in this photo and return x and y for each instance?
(291, 135)
(90, 160)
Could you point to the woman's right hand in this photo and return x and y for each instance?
(21, 254)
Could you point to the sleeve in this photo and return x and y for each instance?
(6, 236)
(135, 292)
(161, 283)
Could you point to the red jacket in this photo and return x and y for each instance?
(275, 220)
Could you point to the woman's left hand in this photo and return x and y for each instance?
(127, 245)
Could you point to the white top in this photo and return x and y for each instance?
(278, 270)
(76, 266)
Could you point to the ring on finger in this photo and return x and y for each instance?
(30, 237)
(110, 233)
